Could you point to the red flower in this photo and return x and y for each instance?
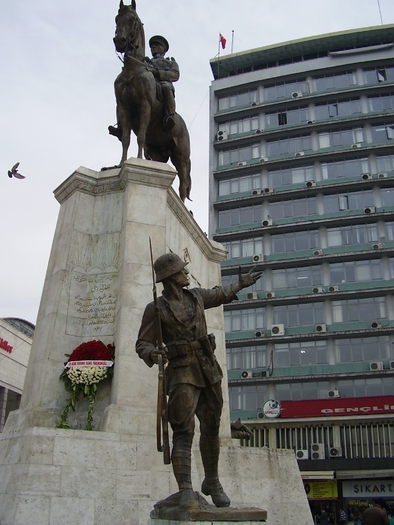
(92, 351)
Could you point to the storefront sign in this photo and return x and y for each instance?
(368, 488)
(5, 345)
(321, 489)
(338, 407)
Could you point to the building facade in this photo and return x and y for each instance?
(15, 343)
(302, 187)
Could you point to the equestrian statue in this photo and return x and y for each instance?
(145, 98)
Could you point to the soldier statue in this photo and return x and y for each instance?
(165, 71)
(193, 375)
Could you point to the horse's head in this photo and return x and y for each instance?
(129, 34)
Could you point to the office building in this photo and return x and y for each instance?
(302, 187)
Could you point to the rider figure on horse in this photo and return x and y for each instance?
(165, 71)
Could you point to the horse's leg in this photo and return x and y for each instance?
(125, 126)
(183, 167)
(145, 114)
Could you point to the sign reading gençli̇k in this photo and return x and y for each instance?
(338, 407)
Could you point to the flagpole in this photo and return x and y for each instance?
(232, 40)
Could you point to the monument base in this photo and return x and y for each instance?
(170, 510)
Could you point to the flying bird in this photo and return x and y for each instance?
(14, 172)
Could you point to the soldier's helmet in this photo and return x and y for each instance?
(167, 265)
(160, 40)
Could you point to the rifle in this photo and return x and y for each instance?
(161, 418)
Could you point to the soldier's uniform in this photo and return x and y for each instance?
(193, 376)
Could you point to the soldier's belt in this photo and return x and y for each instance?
(181, 348)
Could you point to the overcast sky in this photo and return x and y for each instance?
(58, 65)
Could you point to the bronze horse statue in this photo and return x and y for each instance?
(138, 107)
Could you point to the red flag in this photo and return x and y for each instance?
(222, 40)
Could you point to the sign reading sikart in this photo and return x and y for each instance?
(369, 488)
(338, 407)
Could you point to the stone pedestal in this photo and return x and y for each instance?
(97, 285)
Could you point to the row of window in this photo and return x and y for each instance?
(252, 397)
(347, 235)
(288, 176)
(304, 143)
(365, 309)
(304, 207)
(298, 88)
(361, 271)
(304, 114)
(310, 353)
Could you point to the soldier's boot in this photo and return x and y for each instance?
(181, 464)
(211, 485)
(169, 105)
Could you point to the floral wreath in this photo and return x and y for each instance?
(86, 366)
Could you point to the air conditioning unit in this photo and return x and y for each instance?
(245, 374)
(270, 295)
(251, 295)
(259, 333)
(278, 329)
(268, 190)
(377, 246)
(296, 94)
(260, 415)
(302, 454)
(335, 452)
(317, 451)
(369, 209)
(317, 252)
(263, 159)
(391, 365)
(382, 175)
(310, 183)
(333, 288)
(221, 135)
(311, 121)
(299, 154)
(320, 328)
(355, 146)
(243, 163)
(366, 176)
(375, 365)
(318, 289)
(267, 222)
(257, 131)
(376, 324)
(334, 393)
(256, 192)
(258, 257)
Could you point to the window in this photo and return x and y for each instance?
(288, 117)
(337, 81)
(381, 103)
(234, 156)
(385, 163)
(306, 353)
(340, 138)
(352, 310)
(293, 208)
(288, 176)
(356, 271)
(247, 397)
(387, 197)
(350, 201)
(246, 357)
(240, 216)
(286, 90)
(276, 148)
(244, 247)
(303, 277)
(348, 168)
(352, 234)
(243, 320)
(383, 133)
(298, 391)
(242, 98)
(364, 349)
(294, 241)
(337, 109)
(236, 185)
(240, 126)
(305, 314)
(378, 75)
